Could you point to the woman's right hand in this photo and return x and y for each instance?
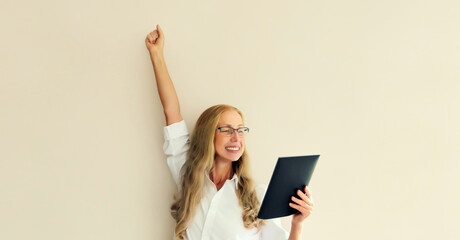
(155, 41)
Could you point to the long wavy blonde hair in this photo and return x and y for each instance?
(200, 159)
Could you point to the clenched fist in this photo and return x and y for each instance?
(155, 41)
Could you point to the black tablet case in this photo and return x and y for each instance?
(290, 174)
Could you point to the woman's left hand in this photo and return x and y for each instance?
(304, 204)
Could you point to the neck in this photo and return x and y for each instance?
(221, 171)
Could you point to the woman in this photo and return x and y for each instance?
(217, 198)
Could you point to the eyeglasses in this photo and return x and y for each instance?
(228, 131)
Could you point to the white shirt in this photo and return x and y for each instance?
(218, 216)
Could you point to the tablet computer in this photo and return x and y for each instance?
(290, 174)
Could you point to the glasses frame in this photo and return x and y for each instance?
(233, 130)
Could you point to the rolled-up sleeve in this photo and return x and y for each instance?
(272, 230)
(175, 147)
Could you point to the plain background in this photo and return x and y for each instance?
(372, 86)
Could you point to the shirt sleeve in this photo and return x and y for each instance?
(272, 230)
(175, 147)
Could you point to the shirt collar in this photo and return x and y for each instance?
(235, 180)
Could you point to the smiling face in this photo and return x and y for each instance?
(229, 148)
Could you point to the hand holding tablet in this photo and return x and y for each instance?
(304, 204)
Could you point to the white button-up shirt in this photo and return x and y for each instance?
(218, 216)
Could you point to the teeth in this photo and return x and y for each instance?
(233, 148)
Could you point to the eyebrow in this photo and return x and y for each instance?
(231, 125)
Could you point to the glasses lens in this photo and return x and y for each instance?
(226, 131)
(243, 131)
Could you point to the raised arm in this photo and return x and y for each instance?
(155, 44)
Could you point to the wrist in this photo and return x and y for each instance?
(296, 224)
(156, 55)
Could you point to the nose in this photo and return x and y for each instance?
(235, 136)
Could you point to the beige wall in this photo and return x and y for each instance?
(372, 86)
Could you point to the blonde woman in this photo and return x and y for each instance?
(216, 196)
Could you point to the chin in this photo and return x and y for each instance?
(233, 158)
